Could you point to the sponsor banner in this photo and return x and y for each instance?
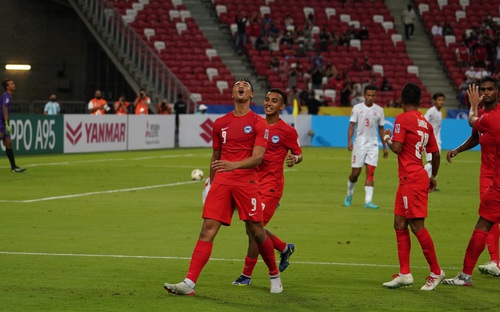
(151, 131)
(196, 130)
(36, 134)
(92, 133)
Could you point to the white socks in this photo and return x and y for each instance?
(368, 194)
(350, 187)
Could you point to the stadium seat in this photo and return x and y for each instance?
(449, 39)
(159, 45)
(356, 24)
(330, 93)
(396, 38)
(196, 97)
(181, 27)
(464, 4)
(442, 3)
(378, 69)
(459, 15)
(355, 43)
(387, 26)
(222, 85)
(185, 14)
(264, 10)
(307, 11)
(345, 18)
(211, 53)
(220, 9)
(412, 69)
(148, 32)
(330, 12)
(177, 3)
(423, 7)
(378, 18)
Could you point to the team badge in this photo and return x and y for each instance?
(396, 128)
(275, 139)
(248, 129)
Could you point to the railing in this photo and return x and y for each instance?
(37, 107)
(136, 56)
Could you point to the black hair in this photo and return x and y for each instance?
(438, 95)
(245, 80)
(5, 83)
(490, 79)
(280, 92)
(411, 94)
(370, 87)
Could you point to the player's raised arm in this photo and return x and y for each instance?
(474, 99)
(471, 142)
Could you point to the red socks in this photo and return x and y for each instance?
(492, 242)
(249, 266)
(278, 244)
(404, 246)
(476, 246)
(266, 250)
(425, 240)
(201, 254)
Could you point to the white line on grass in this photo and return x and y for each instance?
(97, 193)
(212, 259)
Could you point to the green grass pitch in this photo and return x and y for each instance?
(104, 231)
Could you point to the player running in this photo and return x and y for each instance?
(283, 138)
(435, 117)
(239, 143)
(368, 117)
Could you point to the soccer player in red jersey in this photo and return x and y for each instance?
(413, 135)
(239, 143)
(282, 138)
(488, 87)
(489, 208)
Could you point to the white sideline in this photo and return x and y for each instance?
(211, 259)
(97, 193)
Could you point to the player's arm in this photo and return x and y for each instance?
(250, 162)
(292, 160)
(6, 117)
(471, 142)
(384, 146)
(215, 156)
(350, 133)
(436, 158)
(474, 99)
(395, 146)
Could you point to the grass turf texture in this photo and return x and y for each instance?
(66, 245)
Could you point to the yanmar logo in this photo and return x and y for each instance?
(207, 127)
(97, 132)
(74, 135)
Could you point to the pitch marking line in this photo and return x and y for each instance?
(97, 193)
(211, 259)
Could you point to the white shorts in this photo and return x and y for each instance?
(361, 156)
(428, 156)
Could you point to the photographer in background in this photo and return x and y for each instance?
(141, 103)
(122, 106)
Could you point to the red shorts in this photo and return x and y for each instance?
(484, 183)
(489, 208)
(411, 199)
(223, 199)
(269, 204)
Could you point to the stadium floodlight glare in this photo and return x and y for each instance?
(18, 67)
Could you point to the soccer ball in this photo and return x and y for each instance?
(197, 175)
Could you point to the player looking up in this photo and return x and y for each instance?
(488, 87)
(412, 135)
(239, 143)
(6, 105)
(282, 138)
(368, 117)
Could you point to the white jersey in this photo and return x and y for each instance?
(367, 120)
(435, 118)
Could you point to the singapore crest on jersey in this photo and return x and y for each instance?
(275, 139)
(248, 129)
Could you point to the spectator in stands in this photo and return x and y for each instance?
(202, 109)
(463, 55)
(363, 33)
(317, 59)
(303, 97)
(261, 43)
(287, 39)
(266, 24)
(437, 29)
(480, 54)
(352, 32)
(337, 83)
(293, 95)
(141, 103)
(324, 39)
(310, 19)
(122, 106)
(275, 32)
(317, 75)
(408, 18)
(447, 29)
(367, 65)
(471, 75)
(313, 104)
(330, 70)
(357, 97)
(482, 72)
(241, 35)
(289, 22)
(386, 85)
(346, 91)
(98, 105)
(323, 101)
(255, 29)
(275, 64)
(180, 108)
(344, 40)
(334, 39)
(283, 70)
(356, 66)
(52, 107)
(301, 50)
(164, 108)
(293, 75)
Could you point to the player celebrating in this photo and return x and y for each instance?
(283, 138)
(412, 135)
(435, 117)
(239, 143)
(367, 117)
(488, 87)
(489, 208)
(6, 105)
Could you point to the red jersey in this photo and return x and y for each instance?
(489, 127)
(417, 135)
(282, 138)
(487, 149)
(235, 137)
